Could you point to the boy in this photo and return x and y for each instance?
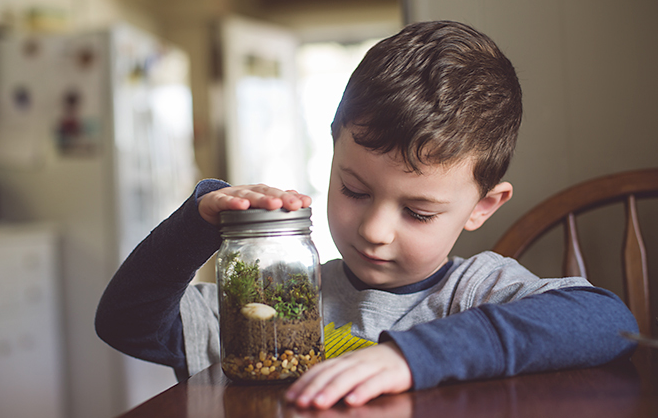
(422, 137)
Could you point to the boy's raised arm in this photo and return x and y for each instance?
(138, 313)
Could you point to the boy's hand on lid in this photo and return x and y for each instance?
(252, 196)
(358, 377)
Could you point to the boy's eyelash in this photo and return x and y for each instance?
(416, 216)
(352, 194)
(419, 217)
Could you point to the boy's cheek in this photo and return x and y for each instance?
(339, 212)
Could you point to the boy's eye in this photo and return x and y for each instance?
(417, 216)
(352, 194)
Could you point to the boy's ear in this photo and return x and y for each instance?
(488, 205)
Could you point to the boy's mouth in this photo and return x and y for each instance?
(371, 259)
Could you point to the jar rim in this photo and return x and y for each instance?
(263, 219)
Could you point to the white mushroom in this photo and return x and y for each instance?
(258, 311)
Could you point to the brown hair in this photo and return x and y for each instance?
(436, 93)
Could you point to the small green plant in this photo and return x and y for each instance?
(244, 285)
(241, 287)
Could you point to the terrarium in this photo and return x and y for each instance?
(270, 305)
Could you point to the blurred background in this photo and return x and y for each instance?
(111, 111)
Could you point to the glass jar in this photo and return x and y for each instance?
(270, 306)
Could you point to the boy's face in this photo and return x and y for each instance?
(395, 227)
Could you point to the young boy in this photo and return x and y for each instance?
(422, 137)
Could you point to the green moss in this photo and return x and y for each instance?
(244, 284)
(241, 287)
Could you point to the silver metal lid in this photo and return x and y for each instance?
(263, 220)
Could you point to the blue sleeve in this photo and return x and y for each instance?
(564, 328)
(139, 312)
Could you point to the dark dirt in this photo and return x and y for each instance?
(243, 337)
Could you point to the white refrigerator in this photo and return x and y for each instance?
(96, 138)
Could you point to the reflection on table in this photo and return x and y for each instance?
(619, 389)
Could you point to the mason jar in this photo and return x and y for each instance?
(270, 304)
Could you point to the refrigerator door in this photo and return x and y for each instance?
(153, 159)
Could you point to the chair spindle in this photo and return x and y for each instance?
(573, 262)
(636, 273)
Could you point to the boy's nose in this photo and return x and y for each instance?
(376, 227)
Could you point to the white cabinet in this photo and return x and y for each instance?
(31, 361)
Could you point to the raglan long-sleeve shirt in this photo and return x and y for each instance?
(481, 317)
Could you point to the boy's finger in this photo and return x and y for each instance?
(345, 383)
(304, 389)
(217, 202)
(265, 197)
(291, 199)
(371, 388)
(329, 385)
(255, 199)
(307, 387)
(306, 200)
(233, 203)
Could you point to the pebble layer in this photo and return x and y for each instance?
(269, 366)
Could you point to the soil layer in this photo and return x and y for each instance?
(246, 342)
(242, 336)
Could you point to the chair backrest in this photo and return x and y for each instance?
(563, 207)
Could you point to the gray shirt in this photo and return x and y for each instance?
(484, 278)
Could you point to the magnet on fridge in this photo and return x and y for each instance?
(31, 48)
(22, 98)
(75, 135)
(85, 57)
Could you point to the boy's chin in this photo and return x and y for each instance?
(373, 279)
(378, 284)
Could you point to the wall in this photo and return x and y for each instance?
(97, 380)
(347, 21)
(588, 72)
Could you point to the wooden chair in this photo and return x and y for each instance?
(565, 206)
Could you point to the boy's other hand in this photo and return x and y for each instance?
(358, 377)
(253, 196)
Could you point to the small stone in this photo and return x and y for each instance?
(258, 311)
(262, 356)
(265, 371)
(267, 363)
(259, 365)
(284, 364)
(289, 353)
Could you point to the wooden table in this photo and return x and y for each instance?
(620, 389)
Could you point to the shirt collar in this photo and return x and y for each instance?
(402, 290)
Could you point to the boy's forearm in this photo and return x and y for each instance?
(139, 311)
(572, 327)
